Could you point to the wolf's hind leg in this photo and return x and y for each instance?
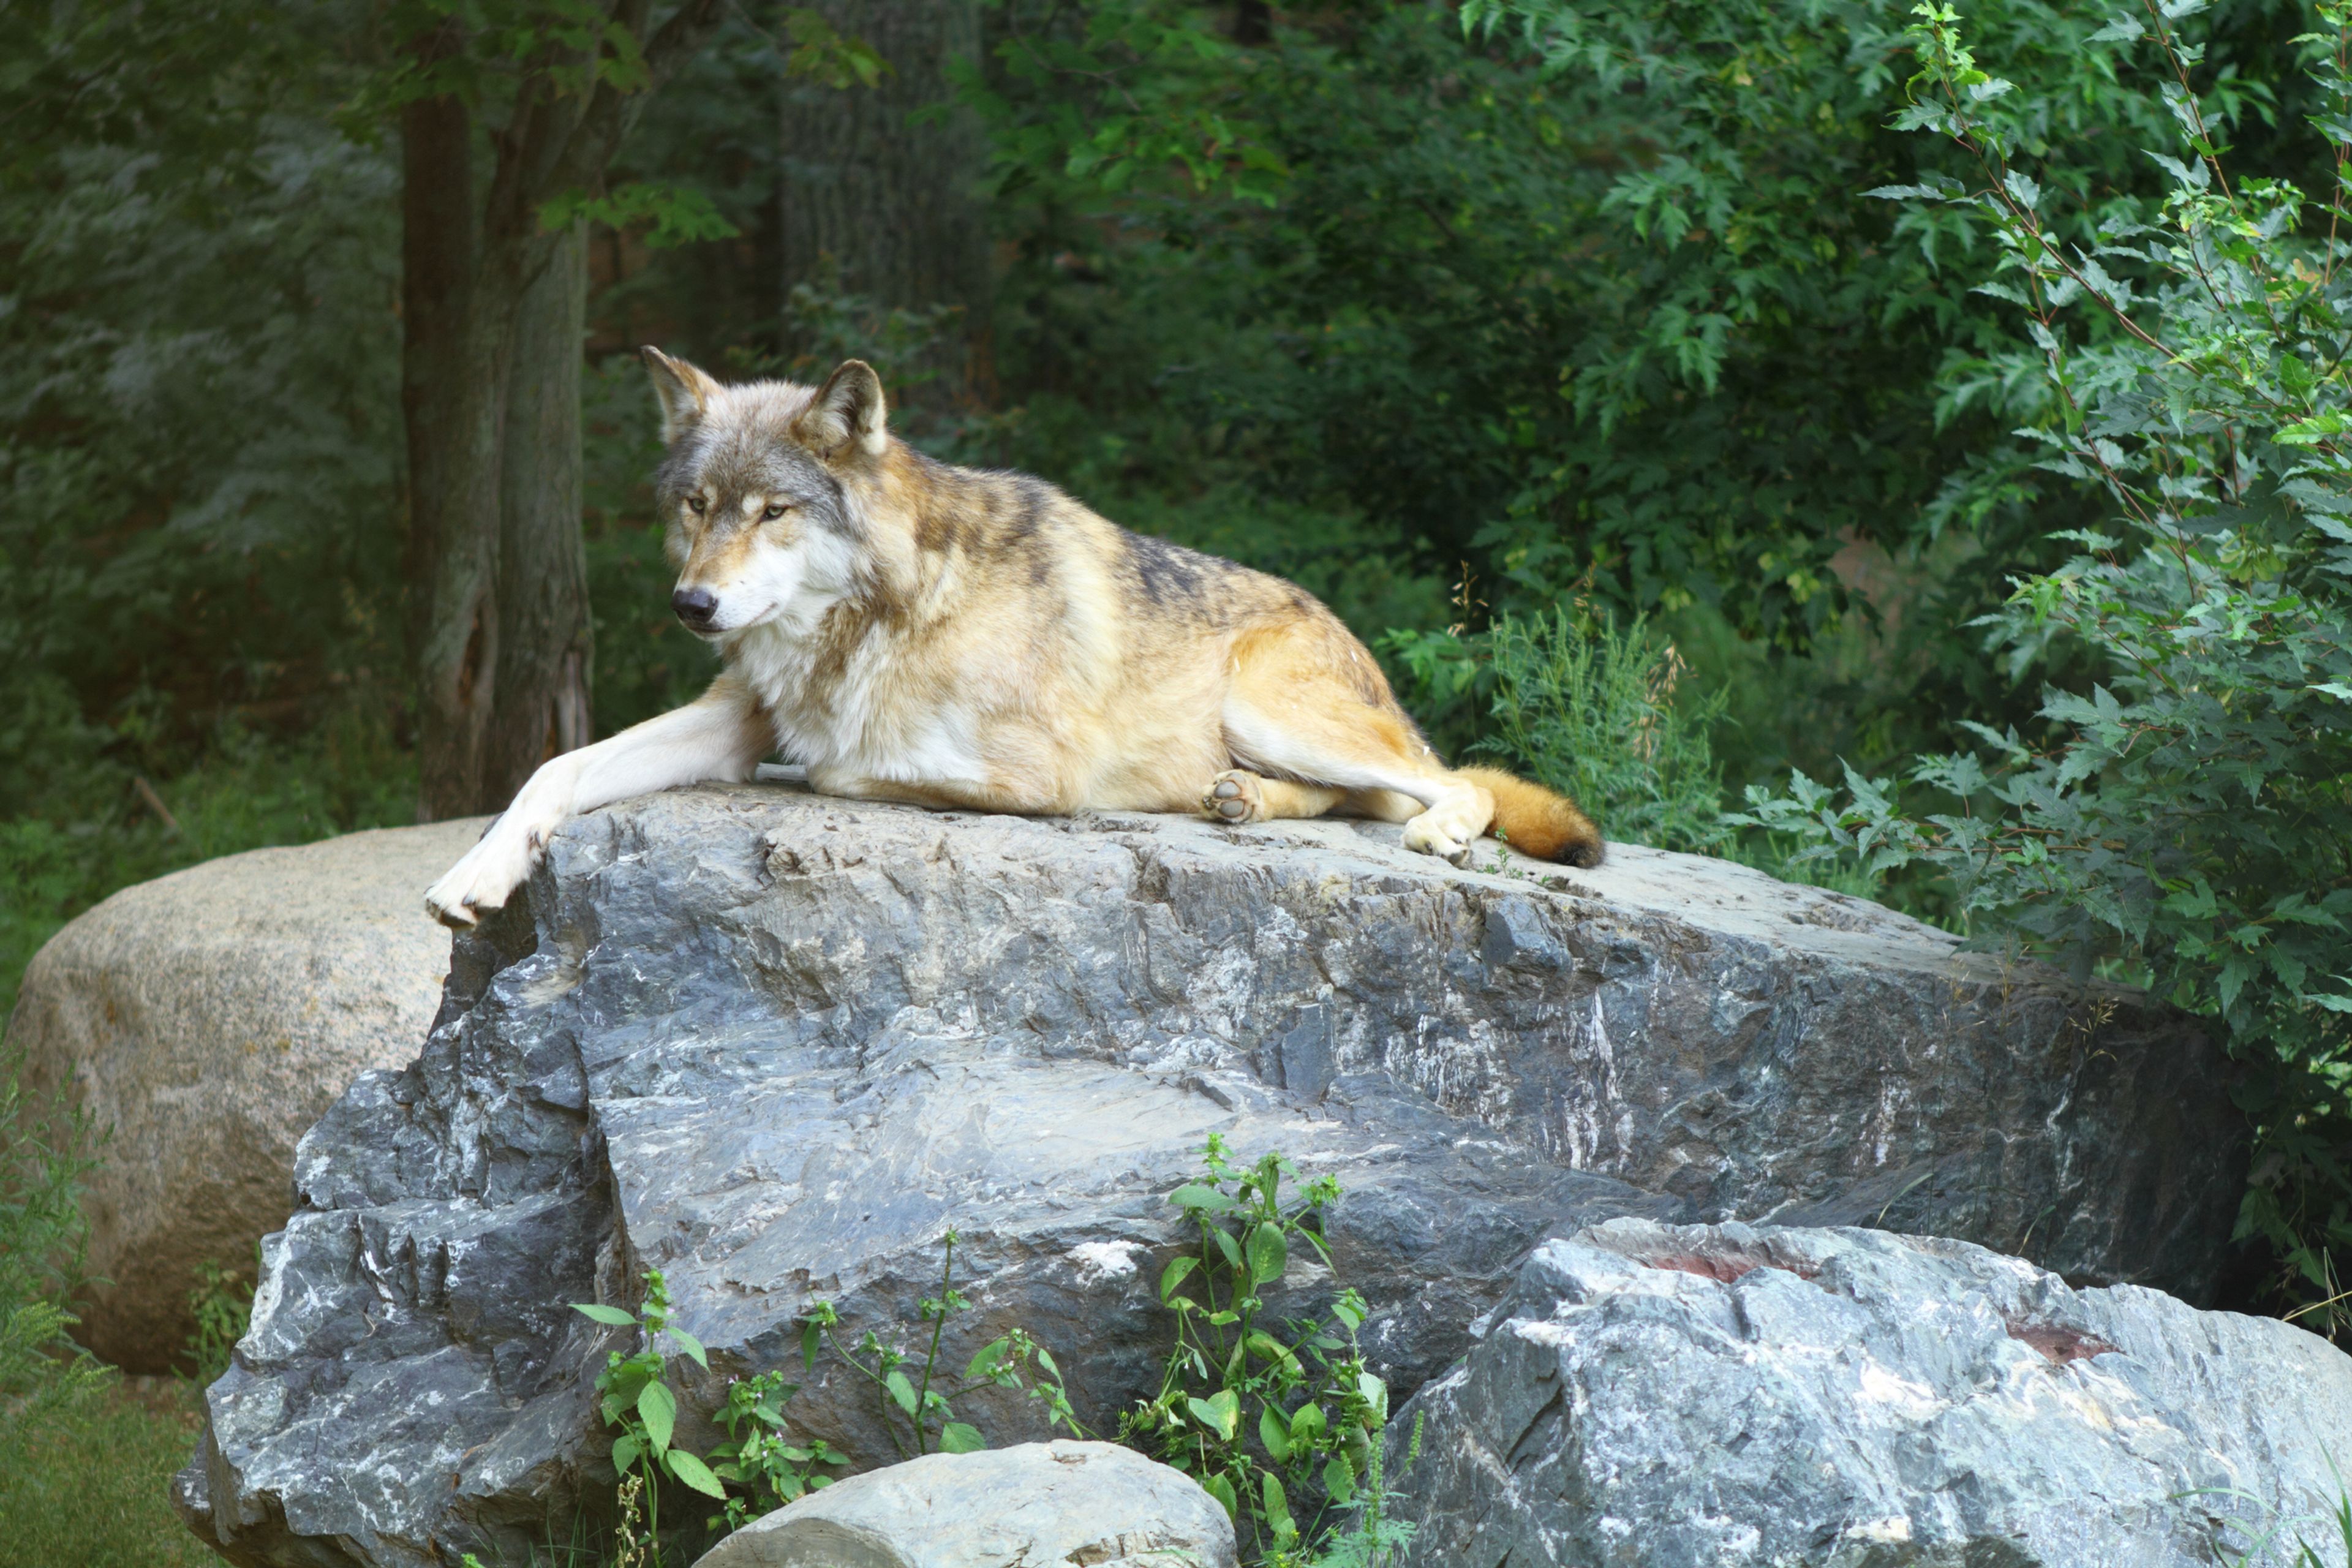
(1298, 707)
(1239, 797)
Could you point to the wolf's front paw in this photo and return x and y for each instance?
(1235, 797)
(480, 883)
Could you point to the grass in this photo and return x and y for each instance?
(88, 1483)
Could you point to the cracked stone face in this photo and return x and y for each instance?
(1671, 1396)
(776, 1045)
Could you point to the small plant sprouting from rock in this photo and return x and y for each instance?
(1370, 1539)
(758, 1455)
(223, 1304)
(915, 1399)
(1317, 1409)
(635, 1396)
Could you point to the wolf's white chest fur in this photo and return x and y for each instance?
(866, 721)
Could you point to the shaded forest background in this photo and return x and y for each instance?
(1595, 311)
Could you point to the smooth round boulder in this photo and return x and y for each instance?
(1043, 1504)
(203, 1021)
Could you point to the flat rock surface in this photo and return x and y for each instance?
(205, 1020)
(1659, 1397)
(775, 1044)
(1048, 1504)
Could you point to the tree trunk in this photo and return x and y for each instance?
(453, 396)
(494, 313)
(498, 575)
(893, 205)
(541, 694)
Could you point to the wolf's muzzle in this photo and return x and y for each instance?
(695, 606)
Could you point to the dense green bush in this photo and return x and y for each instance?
(1595, 299)
(2187, 824)
(1599, 714)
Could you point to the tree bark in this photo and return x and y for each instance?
(494, 313)
(541, 700)
(893, 205)
(451, 395)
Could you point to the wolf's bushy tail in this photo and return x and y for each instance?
(1534, 821)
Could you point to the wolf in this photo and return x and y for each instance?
(977, 640)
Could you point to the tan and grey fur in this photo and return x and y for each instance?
(950, 638)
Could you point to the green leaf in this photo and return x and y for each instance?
(1376, 1395)
(693, 1472)
(674, 215)
(1221, 1413)
(658, 1409)
(901, 1391)
(1196, 1196)
(957, 1437)
(616, 1317)
(1277, 1508)
(1306, 1422)
(1175, 1274)
(690, 1345)
(1274, 1433)
(1340, 1478)
(627, 1451)
(1269, 1254)
(1220, 1488)
(1229, 1247)
(811, 1333)
(983, 1361)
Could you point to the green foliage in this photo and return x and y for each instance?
(634, 1395)
(2186, 821)
(85, 1469)
(1595, 712)
(1268, 1422)
(1367, 1536)
(669, 214)
(1110, 98)
(223, 1304)
(914, 1394)
(44, 1151)
(770, 1467)
(822, 53)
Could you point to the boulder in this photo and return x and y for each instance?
(1042, 1503)
(205, 1020)
(1663, 1396)
(774, 1045)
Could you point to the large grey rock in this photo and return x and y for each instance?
(204, 1020)
(1046, 1504)
(775, 1044)
(1658, 1396)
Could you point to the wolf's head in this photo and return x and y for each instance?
(761, 490)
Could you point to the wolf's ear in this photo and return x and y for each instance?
(847, 416)
(684, 392)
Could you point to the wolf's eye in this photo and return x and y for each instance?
(776, 509)
(697, 505)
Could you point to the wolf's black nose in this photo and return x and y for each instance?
(695, 606)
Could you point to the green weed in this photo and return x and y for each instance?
(223, 1304)
(921, 1401)
(1318, 1408)
(1599, 711)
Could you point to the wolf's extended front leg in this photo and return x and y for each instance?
(720, 735)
